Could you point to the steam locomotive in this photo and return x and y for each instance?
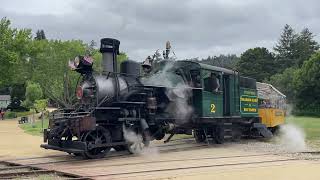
(125, 111)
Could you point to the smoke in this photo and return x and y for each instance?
(160, 78)
(130, 136)
(292, 138)
(133, 138)
(177, 92)
(179, 106)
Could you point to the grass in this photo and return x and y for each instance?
(35, 128)
(310, 125)
(13, 114)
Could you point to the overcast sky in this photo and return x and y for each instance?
(196, 28)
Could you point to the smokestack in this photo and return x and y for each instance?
(110, 49)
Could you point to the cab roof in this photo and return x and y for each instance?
(204, 66)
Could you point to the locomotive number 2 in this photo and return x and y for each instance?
(212, 108)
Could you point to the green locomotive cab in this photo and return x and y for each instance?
(221, 99)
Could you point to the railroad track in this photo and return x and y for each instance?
(113, 155)
(11, 170)
(68, 167)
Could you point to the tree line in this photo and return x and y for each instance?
(292, 66)
(35, 69)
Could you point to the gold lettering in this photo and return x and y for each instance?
(213, 108)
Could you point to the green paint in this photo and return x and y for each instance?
(212, 104)
(248, 102)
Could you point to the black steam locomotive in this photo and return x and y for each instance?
(125, 111)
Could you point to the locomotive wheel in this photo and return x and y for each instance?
(219, 134)
(139, 144)
(199, 135)
(96, 137)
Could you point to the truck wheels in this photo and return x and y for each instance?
(95, 138)
(199, 135)
(218, 134)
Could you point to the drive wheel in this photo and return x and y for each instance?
(96, 137)
(199, 135)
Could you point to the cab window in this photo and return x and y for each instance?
(195, 78)
(211, 81)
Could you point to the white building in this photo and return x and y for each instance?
(4, 101)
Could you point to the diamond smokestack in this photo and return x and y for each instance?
(110, 49)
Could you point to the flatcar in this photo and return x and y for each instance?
(126, 110)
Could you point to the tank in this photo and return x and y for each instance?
(130, 67)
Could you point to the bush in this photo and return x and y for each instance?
(10, 115)
(15, 114)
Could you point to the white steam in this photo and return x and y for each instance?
(178, 106)
(292, 138)
(176, 90)
(130, 136)
(133, 138)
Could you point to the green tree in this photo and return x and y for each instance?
(257, 63)
(284, 82)
(33, 93)
(40, 35)
(226, 61)
(49, 68)
(14, 50)
(293, 48)
(307, 86)
(305, 46)
(41, 105)
(285, 45)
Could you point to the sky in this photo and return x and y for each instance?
(195, 28)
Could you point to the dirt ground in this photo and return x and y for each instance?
(228, 162)
(15, 143)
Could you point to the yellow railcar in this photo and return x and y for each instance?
(272, 117)
(272, 106)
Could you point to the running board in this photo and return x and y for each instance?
(263, 130)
